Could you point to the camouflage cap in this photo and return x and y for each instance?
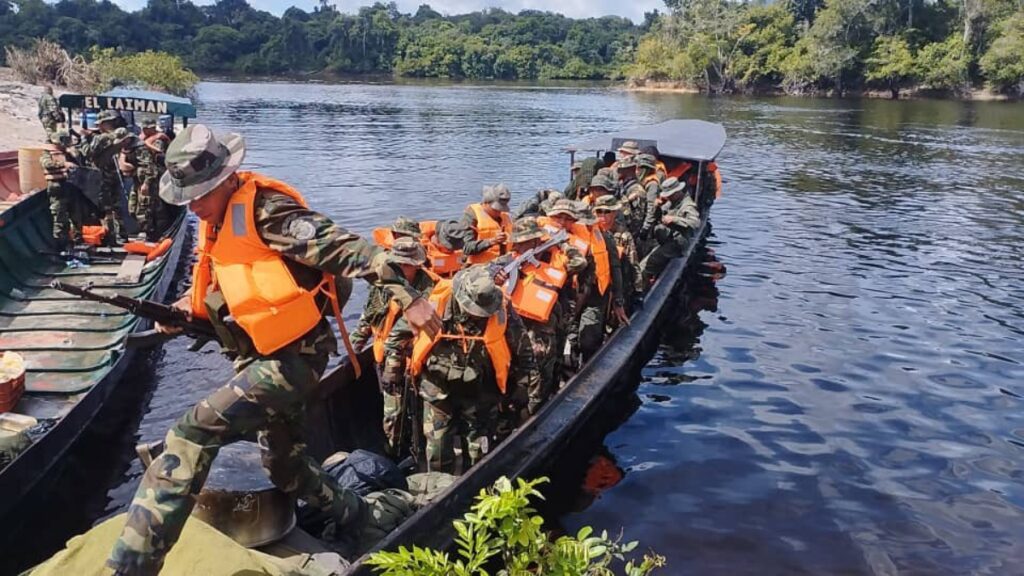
(148, 123)
(476, 293)
(107, 116)
(577, 165)
(406, 250)
(627, 162)
(122, 135)
(607, 203)
(197, 162)
(629, 147)
(60, 138)
(583, 214)
(406, 227)
(497, 196)
(451, 234)
(646, 161)
(671, 187)
(603, 181)
(526, 229)
(563, 207)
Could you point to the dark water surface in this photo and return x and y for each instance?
(854, 403)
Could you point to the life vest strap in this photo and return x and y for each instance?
(329, 288)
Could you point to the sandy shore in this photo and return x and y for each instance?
(19, 124)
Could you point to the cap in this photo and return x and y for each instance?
(406, 227)
(583, 214)
(526, 229)
(607, 203)
(646, 161)
(406, 250)
(197, 162)
(450, 234)
(671, 187)
(563, 207)
(475, 292)
(107, 116)
(577, 165)
(148, 123)
(497, 196)
(60, 137)
(629, 147)
(603, 181)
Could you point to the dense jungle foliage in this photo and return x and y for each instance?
(796, 46)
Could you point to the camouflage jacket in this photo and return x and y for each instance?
(589, 277)
(471, 244)
(683, 218)
(311, 245)
(49, 110)
(55, 163)
(376, 307)
(101, 152)
(145, 162)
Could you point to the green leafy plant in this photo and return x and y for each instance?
(503, 530)
(158, 70)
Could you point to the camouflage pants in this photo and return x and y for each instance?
(546, 352)
(50, 127)
(110, 206)
(144, 205)
(64, 230)
(592, 324)
(654, 263)
(468, 409)
(265, 398)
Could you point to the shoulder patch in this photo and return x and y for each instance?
(301, 228)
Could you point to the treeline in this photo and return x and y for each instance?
(231, 36)
(813, 46)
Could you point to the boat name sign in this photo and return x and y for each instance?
(126, 104)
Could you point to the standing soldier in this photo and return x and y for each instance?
(647, 203)
(680, 217)
(602, 292)
(58, 160)
(607, 211)
(628, 185)
(480, 359)
(152, 213)
(104, 152)
(488, 225)
(50, 113)
(280, 351)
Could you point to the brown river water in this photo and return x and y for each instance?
(848, 399)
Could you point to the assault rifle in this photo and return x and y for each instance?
(511, 270)
(201, 330)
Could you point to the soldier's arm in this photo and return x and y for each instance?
(312, 239)
(616, 268)
(650, 217)
(524, 371)
(577, 262)
(472, 244)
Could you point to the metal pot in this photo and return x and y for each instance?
(239, 500)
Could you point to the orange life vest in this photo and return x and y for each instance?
(384, 238)
(487, 227)
(536, 293)
(660, 168)
(260, 291)
(652, 178)
(380, 333)
(442, 262)
(150, 142)
(713, 168)
(602, 265)
(679, 170)
(493, 338)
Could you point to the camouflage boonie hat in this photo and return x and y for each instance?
(577, 165)
(122, 135)
(476, 293)
(107, 116)
(406, 227)
(671, 187)
(602, 181)
(497, 196)
(563, 207)
(629, 147)
(197, 162)
(526, 229)
(583, 214)
(61, 138)
(607, 203)
(148, 123)
(646, 161)
(406, 250)
(450, 234)
(627, 162)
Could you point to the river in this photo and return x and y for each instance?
(849, 401)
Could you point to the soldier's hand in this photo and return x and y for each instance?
(421, 316)
(620, 315)
(666, 220)
(501, 238)
(185, 304)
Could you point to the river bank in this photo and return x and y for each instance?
(912, 93)
(19, 123)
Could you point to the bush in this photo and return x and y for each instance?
(45, 62)
(149, 69)
(943, 65)
(504, 529)
(1003, 63)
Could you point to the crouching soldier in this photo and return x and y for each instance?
(467, 372)
(679, 218)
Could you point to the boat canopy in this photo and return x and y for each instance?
(132, 100)
(683, 139)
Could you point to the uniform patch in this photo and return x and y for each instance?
(301, 229)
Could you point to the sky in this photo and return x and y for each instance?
(633, 9)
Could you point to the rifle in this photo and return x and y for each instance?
(201, 330)
(511, 270)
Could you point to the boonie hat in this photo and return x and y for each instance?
(406, 227)
(602, 181)
(406, 250)
(646, 161)
(607, 203)
(583, 214)
(122, 135)
(148, 123)
(577, 165)
(107, 116)
(563, 207)
(451, 234)
(671, 187)
(629, 147)
(497, 197)
(476, 293)
(197, 162)
(526, 229)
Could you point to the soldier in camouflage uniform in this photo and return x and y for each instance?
(594, 306)
(532, 206)
(58, 159)
(495, 199)
(266, 398)
(458, 382)
(680, 217)
(50, 113)
(632, 211)
(145, 159)
(647, 203)
(607, 211)
(104, 151)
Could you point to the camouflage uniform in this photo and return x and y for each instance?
(534, 204)
(267, 395)
(497, 197)
(103, 152)
(458, 384)
(50, 113)
(56, 160)
(629, 259)
(674, 237)
(646, 165)
(632, 193)
(144, 202)
(594, 305)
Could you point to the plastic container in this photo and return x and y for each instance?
(12, 380)
(30, 172)
(16, 422)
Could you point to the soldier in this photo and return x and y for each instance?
(606, 208)
(50, 113)
(532, 206)
(647, 202)
(480, 360)
(680, 217)
(103, 151)
(538, 302)
(143, 162)
(402, 228)
(58, 160)
(488, 225)
(279, 354)
(444, 242)
(628, 185)
(602, 292)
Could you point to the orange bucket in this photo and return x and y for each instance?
(93, 235)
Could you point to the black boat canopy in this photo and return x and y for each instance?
(131, 100)
(683, 139)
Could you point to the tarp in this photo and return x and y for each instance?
(131, 100)
(683, 139)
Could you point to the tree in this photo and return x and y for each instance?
(943, 65)
(891, 63)
(1003, 63)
